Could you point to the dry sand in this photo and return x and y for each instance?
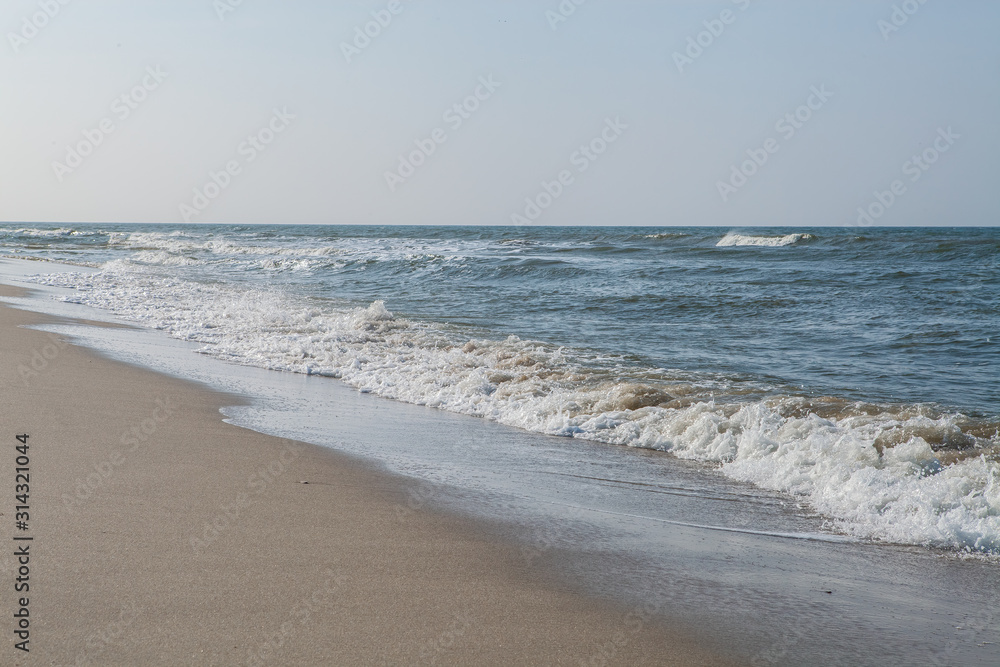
(128, 470)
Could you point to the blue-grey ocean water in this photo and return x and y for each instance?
(789, 358)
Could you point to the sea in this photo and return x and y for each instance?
(851, 373)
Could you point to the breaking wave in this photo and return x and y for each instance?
(906, 473)
(732, 239)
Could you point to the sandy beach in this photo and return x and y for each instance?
(500, 333)
(163, 535)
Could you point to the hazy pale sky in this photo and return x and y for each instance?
(732, 112)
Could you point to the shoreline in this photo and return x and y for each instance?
(193, 540)
(721, 596)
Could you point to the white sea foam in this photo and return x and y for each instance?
(871, 469)
(163, 258)
(46, 233)
(666, 235)
(179, 248)
(733, 239)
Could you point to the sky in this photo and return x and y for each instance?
(551, 112)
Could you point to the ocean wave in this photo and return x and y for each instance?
(900, 473)
(666, 235)
(197, 249)
(181, 243)
(162, 258)
(46, 233)
(733, 239)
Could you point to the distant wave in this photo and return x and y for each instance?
(732, 239)
(666, 235)
(46, 233)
